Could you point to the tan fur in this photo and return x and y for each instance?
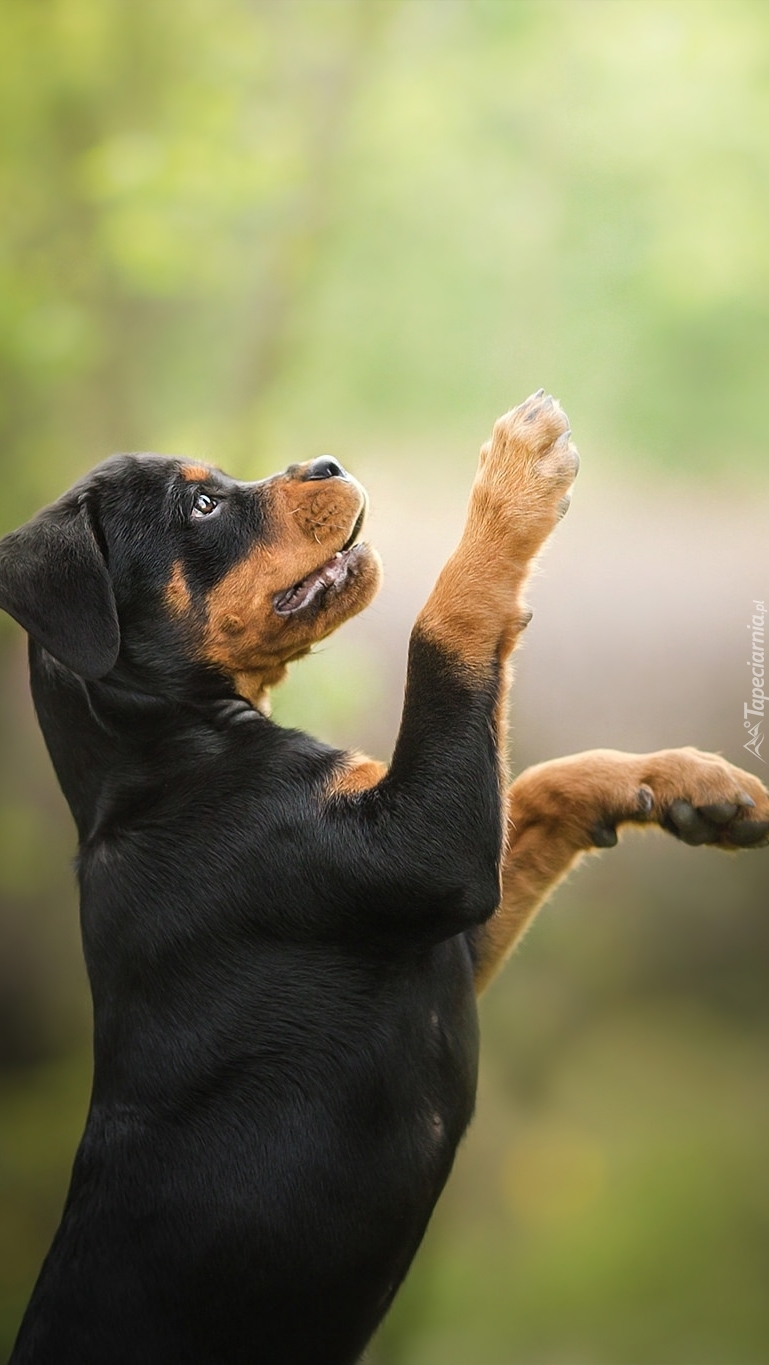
(195, 473)
(359, 774)
(243, 636)
(177, 593)
(554, 808)
(476, 610)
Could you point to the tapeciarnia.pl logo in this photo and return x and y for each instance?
(754, 710)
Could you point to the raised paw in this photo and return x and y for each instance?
(702, 799)
(476, 610)
(525, 474)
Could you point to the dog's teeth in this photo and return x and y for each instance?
(330, 575)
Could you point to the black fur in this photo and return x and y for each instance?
(285, 1028)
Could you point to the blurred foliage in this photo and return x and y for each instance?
(234, 226)
(252, 230)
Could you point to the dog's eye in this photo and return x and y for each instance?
(204, 504)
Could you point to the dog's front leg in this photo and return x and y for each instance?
(476, 612)
(560, 810)
(437, 814)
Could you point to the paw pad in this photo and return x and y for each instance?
(718, 822)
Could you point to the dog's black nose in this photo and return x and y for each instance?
(324, 468)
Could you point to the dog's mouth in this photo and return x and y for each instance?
(327, 580)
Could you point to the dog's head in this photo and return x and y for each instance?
(170, 575)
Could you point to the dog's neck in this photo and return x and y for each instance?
(256, 687)
(120, 729)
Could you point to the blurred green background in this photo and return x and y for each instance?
(258, 231)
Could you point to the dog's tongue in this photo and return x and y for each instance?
(302, 594)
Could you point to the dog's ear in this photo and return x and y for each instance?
(54, 581)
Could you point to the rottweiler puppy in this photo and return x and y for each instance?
(285, 942)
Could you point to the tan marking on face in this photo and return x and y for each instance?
(307, 523)
(359, 774)
(195, 473)
(177, 592)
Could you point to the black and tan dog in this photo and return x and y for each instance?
(285, 942)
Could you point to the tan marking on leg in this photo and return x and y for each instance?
(359, 774)
(476, 611)
(555, 808)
